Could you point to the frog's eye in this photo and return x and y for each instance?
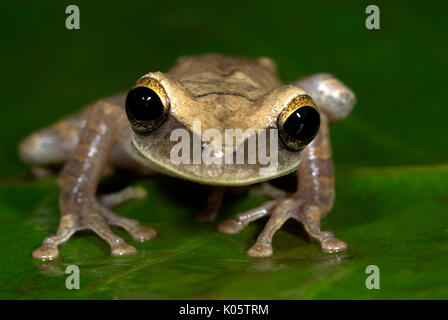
(147, 105)
(298, 123)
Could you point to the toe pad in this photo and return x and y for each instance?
(46, 252)
(123, 249)
(260, 250)
(230, 227)
(332, 244)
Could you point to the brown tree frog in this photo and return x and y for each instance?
(134, 131)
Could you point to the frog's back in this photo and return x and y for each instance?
(216, 74)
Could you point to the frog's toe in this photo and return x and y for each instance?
(333, 244)
(123, 249)
(207, 215)
(133, 227)
(115, 199)
(46, 252)
(143, 233)
(139, 192)
(231, 226)
(260, 250)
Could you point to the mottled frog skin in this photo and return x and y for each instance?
(220, 92)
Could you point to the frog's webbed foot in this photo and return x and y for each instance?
(98, 218)
(210, 212)
(310, 215)
(238, 223)
(280, 211)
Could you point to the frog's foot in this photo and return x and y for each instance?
(238, 223)
(68, 225)
(280, 211)
(309, 216)
(97, 218)
(115, 199)
(210, 212)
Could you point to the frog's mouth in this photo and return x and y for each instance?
(152, 155)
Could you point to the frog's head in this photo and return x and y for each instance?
(183, 133)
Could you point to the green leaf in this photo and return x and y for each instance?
(394, 218)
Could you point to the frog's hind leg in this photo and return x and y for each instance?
(214, 202)
(50, 147)
(330, 94)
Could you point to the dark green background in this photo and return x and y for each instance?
(391, 153)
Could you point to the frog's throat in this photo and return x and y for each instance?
(159, 167)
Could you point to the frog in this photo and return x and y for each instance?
(133, 130)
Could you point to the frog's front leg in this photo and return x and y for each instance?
(309, 204)
(316, 189)
(80, 208)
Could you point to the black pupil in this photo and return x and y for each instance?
(143, 104)
(302, 124)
